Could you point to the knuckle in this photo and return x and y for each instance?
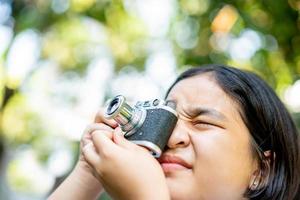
(99, 116)
(103, 126)
(106, 154)
(88, 129)
(95, 134)
(95, 127)
(101, 133)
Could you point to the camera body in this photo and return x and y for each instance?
(148, 123)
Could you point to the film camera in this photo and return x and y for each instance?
(148, 123)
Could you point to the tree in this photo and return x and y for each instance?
(67, 37)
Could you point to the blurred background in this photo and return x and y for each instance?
(60, 60)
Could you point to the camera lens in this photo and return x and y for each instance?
(113, 106)
(119, 110)
(127, 117)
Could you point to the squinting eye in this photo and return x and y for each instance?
(201, 124)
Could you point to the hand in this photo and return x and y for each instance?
(100, 123)
(126, 170)
(81, 183)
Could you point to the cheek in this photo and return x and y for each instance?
(222, 159)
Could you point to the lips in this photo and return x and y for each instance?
(172, 162)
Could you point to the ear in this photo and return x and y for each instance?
(260, 176)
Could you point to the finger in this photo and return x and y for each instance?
(90, 154)
(97, 126)
(86, 137)
(103, 143)
(120, 140)
(100, 118)
(107, 133)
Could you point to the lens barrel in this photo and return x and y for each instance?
(119, 110)
(127, 117)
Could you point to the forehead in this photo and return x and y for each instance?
(202, 90)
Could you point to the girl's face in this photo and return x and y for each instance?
(209, 153)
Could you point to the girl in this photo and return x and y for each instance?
(234, 140)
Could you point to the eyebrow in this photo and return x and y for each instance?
(195, 111)
(211, 112)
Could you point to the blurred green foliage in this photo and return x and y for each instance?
(64, 32)
(196, 31)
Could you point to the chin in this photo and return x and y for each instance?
(179, 190)
(175, 195)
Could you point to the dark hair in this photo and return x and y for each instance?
(270, 125)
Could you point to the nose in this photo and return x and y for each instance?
(180, 136)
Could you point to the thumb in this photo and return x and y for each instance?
(120, 140)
